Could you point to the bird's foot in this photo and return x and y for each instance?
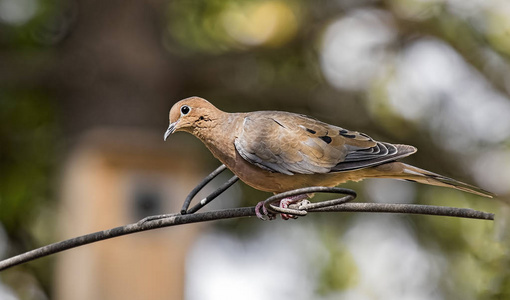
(263, 214)
(285, 202)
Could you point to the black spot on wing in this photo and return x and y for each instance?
(311, 131)
(346, 134)
(326, 139)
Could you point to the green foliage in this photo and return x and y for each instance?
(339, 272)
(28, 136)
(218, 27)
(46, 26)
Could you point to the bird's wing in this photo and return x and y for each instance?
(290, 143)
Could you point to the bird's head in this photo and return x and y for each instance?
(190, 114)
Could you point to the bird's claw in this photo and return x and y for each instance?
(284, 203)
(264, 215)
(303, 204)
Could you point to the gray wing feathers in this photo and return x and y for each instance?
(379, 154)
(277, 162)
(269, 163)
(379, 150)
(290, 144)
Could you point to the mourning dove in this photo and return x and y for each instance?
(278, 151)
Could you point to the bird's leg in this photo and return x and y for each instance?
(263, 214)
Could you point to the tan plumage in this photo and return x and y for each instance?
(280, 151)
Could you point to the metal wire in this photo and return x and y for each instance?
(199, 187)
(272, 209)
(213, 195)
(194, 192)
(302, 209)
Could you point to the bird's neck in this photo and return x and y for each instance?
(219, 136)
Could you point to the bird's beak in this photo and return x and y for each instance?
(170, 129)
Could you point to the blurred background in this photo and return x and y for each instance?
(85, 89)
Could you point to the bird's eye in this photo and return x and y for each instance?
(185, 110)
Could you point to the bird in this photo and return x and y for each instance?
(277, 151)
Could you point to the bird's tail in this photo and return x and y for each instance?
(412, 173)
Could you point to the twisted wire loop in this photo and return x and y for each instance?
(303, 207)
(301, 210)
(210, 197)
(185, 210)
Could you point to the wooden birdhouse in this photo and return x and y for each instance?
(114, 178)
